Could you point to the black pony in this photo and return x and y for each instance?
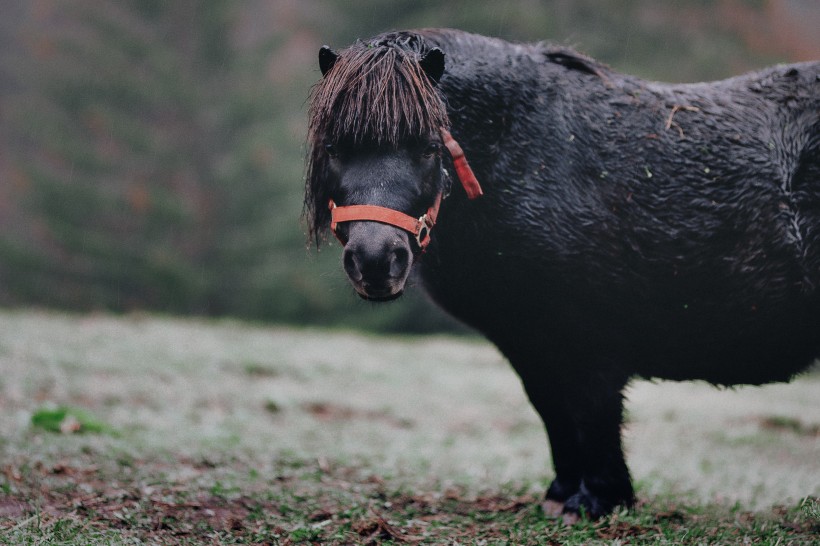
(627, 228)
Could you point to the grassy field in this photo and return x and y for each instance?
(151, 430)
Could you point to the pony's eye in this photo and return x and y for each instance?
(431, 149)
(331, 150)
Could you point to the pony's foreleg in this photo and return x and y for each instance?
(582, 417)
(597, 411)
(549, 403)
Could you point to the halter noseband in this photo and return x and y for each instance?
(421, 227)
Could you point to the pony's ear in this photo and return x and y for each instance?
(433, 64)
(327, 58)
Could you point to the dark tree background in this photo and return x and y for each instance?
(151, 152)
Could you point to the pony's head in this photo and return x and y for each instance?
(375, 143)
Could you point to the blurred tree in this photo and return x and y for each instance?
(151, 152)
(145, 174)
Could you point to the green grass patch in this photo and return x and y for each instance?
(68, 420)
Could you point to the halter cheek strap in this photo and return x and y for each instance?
(463, 170)
(420, 227)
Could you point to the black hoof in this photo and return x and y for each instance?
(584, 503)
(561, 489)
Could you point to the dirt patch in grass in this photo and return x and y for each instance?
(790, 424)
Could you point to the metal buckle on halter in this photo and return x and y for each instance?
(423, 230)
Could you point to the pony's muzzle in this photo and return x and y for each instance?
(377, 259)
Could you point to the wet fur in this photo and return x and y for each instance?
(628, 228)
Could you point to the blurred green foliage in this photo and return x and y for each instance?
(151, 153)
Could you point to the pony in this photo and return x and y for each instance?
(605, 227)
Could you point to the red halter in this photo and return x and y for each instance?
(418, 227)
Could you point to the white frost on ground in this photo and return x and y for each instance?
(434, 408)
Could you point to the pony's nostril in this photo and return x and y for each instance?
(351, 265)
(399, 261)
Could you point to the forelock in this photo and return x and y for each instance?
(376, 92)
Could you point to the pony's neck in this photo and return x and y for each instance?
(488, 86)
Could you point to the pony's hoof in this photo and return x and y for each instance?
(587, 505)
(570, 518)
(552, 508)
